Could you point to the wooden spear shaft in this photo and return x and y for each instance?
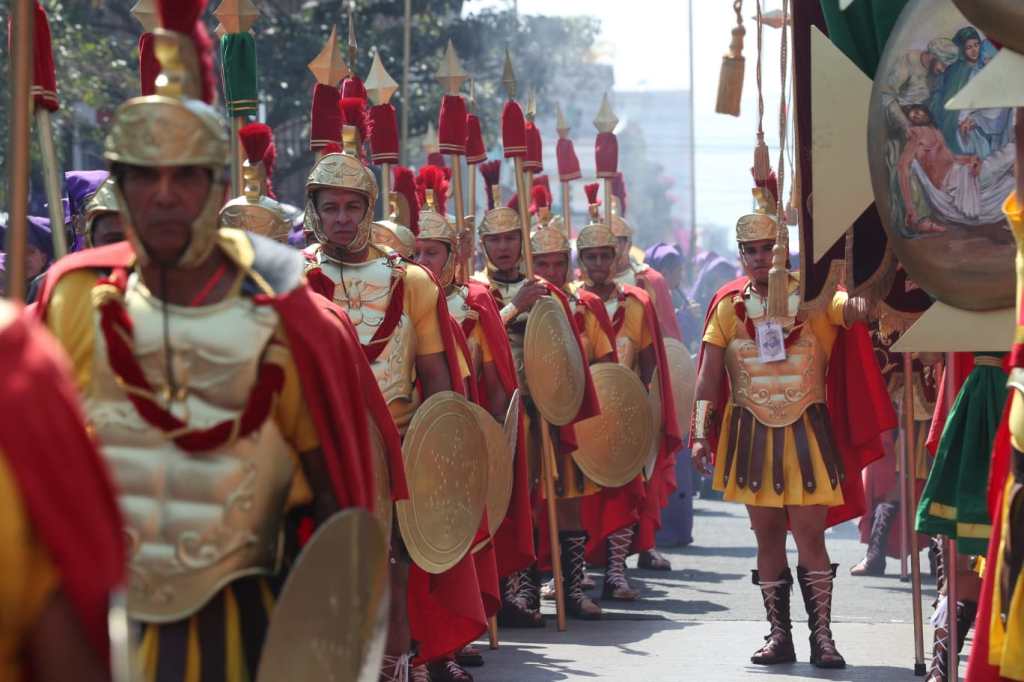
(22, 22)
(51, 181)
(910, 506)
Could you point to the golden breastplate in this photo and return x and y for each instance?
(364, 291)
(776, 393)
(193, 522)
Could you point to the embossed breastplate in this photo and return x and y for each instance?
(777, 393)
(364, 291)
(194, 522)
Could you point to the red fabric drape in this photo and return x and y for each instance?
(63, 483)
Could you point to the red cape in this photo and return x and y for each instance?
(653, 282)
(859, 407)
(978, 667)
(62, 481)
(662, 483)
(337, 383)
(513, 541)
(963, 364)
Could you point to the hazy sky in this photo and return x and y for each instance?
(646, 42)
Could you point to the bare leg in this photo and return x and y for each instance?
(769, 526)
(808, 524)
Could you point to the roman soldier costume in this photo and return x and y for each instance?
(205, 412)
(636, 330)
(803, 438)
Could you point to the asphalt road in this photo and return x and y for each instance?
(703, 620)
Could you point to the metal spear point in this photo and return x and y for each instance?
(329, 66)
(235, 16)
(380, 86)
(450, 73)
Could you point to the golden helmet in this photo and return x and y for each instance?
(595, 236)
(342, 171)
(173, 128)
(499, 220)
(103, 202)
(548, 240)
(254, 211)
(394, 236)
(760, 224)
(436, 227)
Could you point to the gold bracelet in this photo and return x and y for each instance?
(702, 414)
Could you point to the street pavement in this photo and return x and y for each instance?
(704, 619)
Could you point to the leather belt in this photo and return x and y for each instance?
(743, 448)
(803, 454)
(818, 416)
(730, 445)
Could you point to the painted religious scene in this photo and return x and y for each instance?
(948, 171)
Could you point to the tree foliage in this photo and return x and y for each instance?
(95, 51)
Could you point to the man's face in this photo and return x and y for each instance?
(598, 263)
(937, 66)
(432, 255)
(972, 50)
(554, 267)
(107, 229)
(504, 249)
(756, 258)
(163, 203)
(341, 211)
(35, 261)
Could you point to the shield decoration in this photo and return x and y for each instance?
(446, 471)
(553, 362)
(615, 444)
(330, 620)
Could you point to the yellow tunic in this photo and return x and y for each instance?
(720, 331)
(73, 319)
(29, 578)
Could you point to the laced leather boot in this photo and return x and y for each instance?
(615, 584)
(816, 587)
(965, 613)
(873, 562)
(515, 610)
(577, 603)
(778, 643)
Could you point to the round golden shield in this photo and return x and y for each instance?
(446, 470)
(383, 508)
(330, 621)
(684, 387)
(614, 445)
(553, 363)
(499, 468)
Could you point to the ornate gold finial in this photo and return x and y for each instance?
(561, 125)
(508, 76)
(380, 86)
(531, 106)
(145, 13)
(236, 16)
(430, 143)
(450, 74)
(606, 119)
(329, 67)
(353, 46)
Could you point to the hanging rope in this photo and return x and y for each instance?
(762, 161)
(778, 277)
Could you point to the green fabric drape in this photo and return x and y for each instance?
(238, 59)
(862, 30)
(955, 498)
